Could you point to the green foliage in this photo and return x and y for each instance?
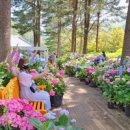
(23, 21)
(62, 60)
(107, 40)
(62, 122)
(108, 92)
(81, 73)
(36, 66)
(60, 88)
(25, 13)
(48, 125)
(5, 76)
(53, 70)
(70, 70)
(60, 64)
(41, 81)
(36, 123)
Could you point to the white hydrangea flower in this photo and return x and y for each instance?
(64, 112)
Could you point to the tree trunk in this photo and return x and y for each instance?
(126, 45)
(38, 22)
(74, 26)
(36, 31)
(81, 34)
(5, 27)
(34, 38)
(81, 44)
(97, 35)
(59, 38)
(34, 28)
(86, 24)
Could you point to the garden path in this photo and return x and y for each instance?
(89, 109)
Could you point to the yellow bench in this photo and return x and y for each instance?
(11, 91)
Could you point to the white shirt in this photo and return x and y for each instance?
(25, 79)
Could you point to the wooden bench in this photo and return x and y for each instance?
(11, 91)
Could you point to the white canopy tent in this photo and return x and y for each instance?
(20, 41)
(24, 44)
(42, 49)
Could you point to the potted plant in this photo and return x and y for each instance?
(108, 94)
(126, 98)
(57, 90)
(70, 70)
(81, 75)
(55, 86)
(62, 123)
(91, 73)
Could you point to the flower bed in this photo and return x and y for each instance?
(109, 76)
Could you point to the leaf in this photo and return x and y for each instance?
(63, 120)
(48, 125)
(36, 123)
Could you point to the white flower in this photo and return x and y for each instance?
(64, 112)
(73, 121)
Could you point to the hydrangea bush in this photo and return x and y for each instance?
(16, 114)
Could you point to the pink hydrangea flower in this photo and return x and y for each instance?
(28, 107)
(128, 70)
(52, 93)
(107, 80)
(54, 82)
(61, 128)
(60, 74)
(106, 75)
(3, 102)
(112, 71)
(91, 70)
(14, 106)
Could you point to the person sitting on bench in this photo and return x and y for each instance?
(28, 88)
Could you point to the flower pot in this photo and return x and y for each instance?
(110, 105)
(56, 100)
(93, 84)
(87, 81)
(121, 107)
(127, 110)
(82, 79)
(70, 75)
